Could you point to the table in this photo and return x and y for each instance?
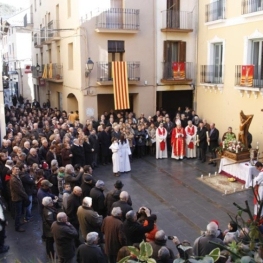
(243, 171)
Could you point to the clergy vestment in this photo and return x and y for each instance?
(115, 157)
(161, 145)
(178, 143)
(191, 141)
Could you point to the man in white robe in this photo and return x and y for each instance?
(258, 188)
(190, 131)
(161, 145)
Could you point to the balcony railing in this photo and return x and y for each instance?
(118, 19)
(42, 35)
(250, 6)
(215, 11)
(169, 74)
(36, 40)
(104, 71)
(255, 82)
(212, 74)
(57, 72)
(179, 20)
(52, 30)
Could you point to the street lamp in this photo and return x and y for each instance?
(89, 67)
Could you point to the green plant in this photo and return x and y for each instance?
(142, 255)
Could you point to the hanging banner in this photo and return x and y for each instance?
(178, 70)
(247, 73)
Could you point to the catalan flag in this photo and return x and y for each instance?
(44, 75)
(50, 71)
(120, 85)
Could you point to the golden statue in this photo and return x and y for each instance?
(245, 121)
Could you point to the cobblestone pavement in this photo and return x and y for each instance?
(182, 204)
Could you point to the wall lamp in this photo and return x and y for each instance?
(37, 67)
(89, 67)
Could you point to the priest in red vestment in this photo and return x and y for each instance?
(178, 142)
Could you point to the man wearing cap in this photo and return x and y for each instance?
(18, 195)
(114, 196)
(89, 220)
(160, 241)
(115, 238)
(98, 198)
(49, 216)
(90, 252)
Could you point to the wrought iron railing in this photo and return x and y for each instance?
(170, 73)
(57, 71)
(250, 6)
(36, 40)
(246, 80)
(42, 35)
(177, 19)
(215, 11)
(52, 29)
(212, 74)
(104, 71)
(119, 18)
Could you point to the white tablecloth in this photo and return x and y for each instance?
(244, 171)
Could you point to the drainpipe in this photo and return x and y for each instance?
(155, 53)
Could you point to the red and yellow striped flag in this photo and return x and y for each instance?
(120, 85)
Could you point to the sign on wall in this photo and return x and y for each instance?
(247, 74)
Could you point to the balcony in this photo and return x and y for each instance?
(177, 21)
(104, 72)
(249, 81)
(176, 76)
(55, 74)
(215, 11)
(251, 6)
(211, 75)
(36, 74)
(52, 33)
(118, 20)
(36, 40)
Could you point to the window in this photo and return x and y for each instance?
(257, 60)
(35, 4)
(116, 3)
(13, 49)
(70, 56)
(174, 51)
(218, 58)
(69, 8)
(39, 2)
(49, 54)
(115, 50)
(173, 14)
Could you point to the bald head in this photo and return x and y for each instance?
(62, 217)
(124, 196)
(77, 191)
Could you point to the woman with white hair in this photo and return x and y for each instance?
(49, 216)
(70, 177)
(90, 252)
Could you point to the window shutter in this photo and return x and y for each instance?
(165, 44)
(182, 51)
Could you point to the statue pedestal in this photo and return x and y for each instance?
(245, 155)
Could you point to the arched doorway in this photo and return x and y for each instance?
(72, 102)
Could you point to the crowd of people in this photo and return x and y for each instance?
(47, 157)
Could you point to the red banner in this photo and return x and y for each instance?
(247, 74)
(178, 70)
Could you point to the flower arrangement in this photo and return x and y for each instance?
(230, 144)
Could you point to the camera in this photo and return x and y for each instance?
(170, 237)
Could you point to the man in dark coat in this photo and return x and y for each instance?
(168, 125)
(64, 234)
(134, 231)
(104, 142)
(213, 142)
(78, 153)
(201, 142)
(32, 157)
(94, 141)
(73, 203)
(89, 220)
(98, 198)
(90, 252)
(115, 238)
(18, 196)
(43, 150)
(122, 203)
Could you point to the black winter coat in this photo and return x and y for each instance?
(98, 199)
